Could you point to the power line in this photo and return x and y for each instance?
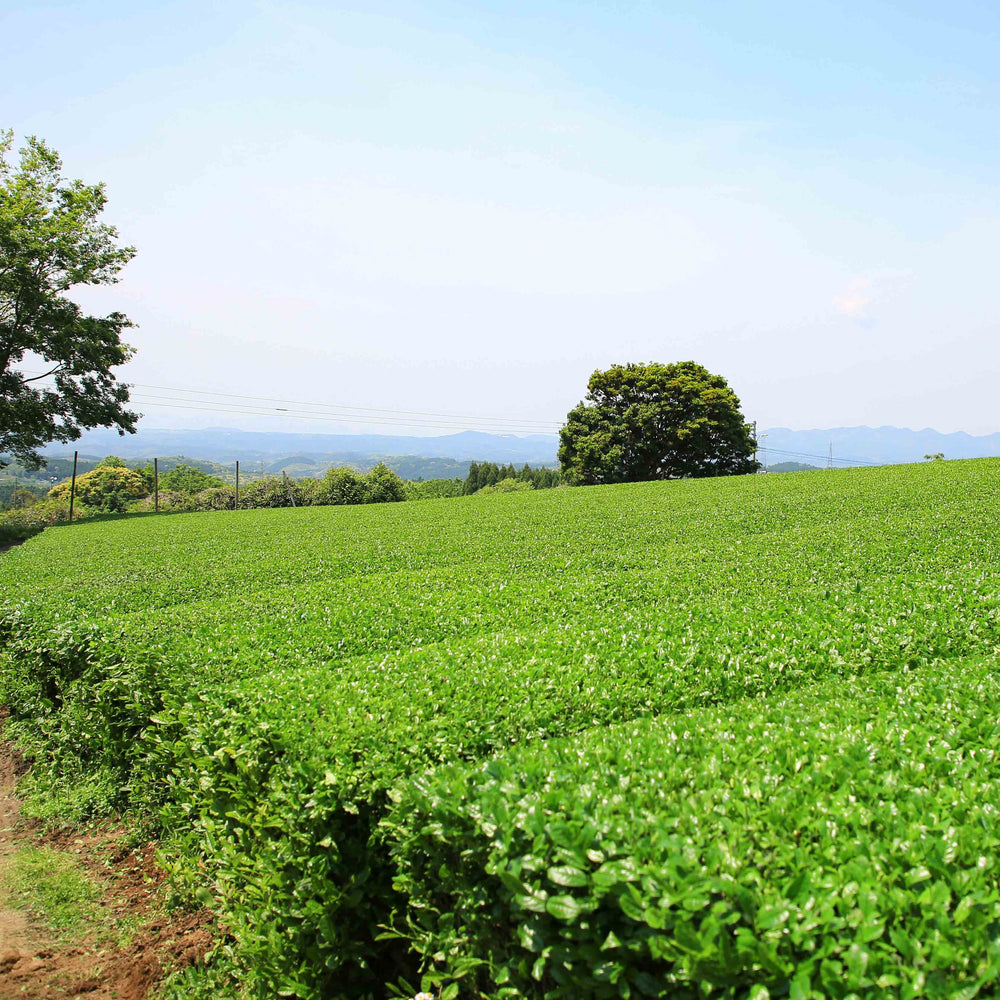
(823, 458)
(345, 411)
(207, 406)
(345, 406)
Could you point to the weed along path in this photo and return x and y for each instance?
(17, 939)
(79, 915)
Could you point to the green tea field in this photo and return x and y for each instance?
(715, 738)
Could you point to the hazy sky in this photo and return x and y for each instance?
(466, 208)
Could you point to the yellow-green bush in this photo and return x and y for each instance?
(108, 489)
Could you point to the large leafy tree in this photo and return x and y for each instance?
(52, 239)
(655, 421)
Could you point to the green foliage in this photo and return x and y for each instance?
(216, 498)
(108, 489)
(836, 842)
(51, 240)
(21, 498)
(186, 479)
(792, 467)
(434, 489)
(272, 491)
(217, 978)
(265, 682)
(16, 493)
(382, 485)
(341, 486)
(489, 474)
(113, 462)
(653, 421)
(170, 501)
(506, 486)
(21, 523)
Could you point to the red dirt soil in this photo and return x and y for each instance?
(36, 966)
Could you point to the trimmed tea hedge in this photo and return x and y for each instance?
(841, 841)
(262, 680)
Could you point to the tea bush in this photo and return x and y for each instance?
(840, 841)
(263, 680)
(22, 523)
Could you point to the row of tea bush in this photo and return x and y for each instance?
(352, 724)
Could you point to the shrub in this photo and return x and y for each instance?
(108, 489)
(434, 489)
(216, 498)
(272, 491)
(340, 486)
(271, 678)
(507, 486)
(17, 525)
(382, 485)
(170, 501)
(23, 497)
(187, 479)
(312, 491)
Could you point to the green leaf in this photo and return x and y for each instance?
(567, 875)
(564, 907)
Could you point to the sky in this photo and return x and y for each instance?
(417, 217)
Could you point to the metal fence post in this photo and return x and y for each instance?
(72, 486)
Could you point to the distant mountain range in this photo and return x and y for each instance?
(220, 444)
(874, 445)
(851, 445)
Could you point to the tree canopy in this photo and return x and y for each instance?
(187, 479)
(51, 240)
(655, 421)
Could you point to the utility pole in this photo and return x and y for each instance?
(755, 440)
(236, 505)
(829, 457)
(72, 486)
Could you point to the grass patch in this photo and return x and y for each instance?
(54, 888)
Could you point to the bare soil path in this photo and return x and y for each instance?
(130, 946)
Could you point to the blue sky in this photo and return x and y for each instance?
(466, 208)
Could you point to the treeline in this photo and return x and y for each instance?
(15, 493)
(482, 474)
(115, 487)
(121, 490)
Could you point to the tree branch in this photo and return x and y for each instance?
(58, 368)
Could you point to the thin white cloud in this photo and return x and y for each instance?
(856, 300)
